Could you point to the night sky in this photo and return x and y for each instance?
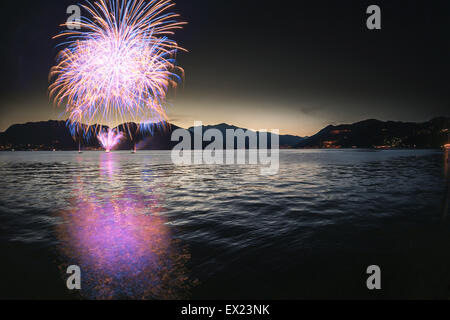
(295, 66)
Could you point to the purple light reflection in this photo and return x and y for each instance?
(121, 243)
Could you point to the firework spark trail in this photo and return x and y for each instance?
(109, 139)
(119, 67)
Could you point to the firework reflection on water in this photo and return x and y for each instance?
(121, 242)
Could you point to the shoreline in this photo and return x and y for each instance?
(281, 149)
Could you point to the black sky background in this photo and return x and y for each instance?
(294, 65)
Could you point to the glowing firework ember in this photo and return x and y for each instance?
(109, 139)
(119, 66)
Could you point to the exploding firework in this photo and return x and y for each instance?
(109, 139)
(119, 66)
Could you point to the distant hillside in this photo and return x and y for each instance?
(375, 133)
(45, 135)
(49, 135)
(285, 141)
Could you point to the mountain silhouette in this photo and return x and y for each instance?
(375, 133)
(285, 141)
(50, 135)
(55, 135)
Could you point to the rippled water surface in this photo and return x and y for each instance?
(140, 227)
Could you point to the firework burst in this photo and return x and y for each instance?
(119, 66)
(109, 139)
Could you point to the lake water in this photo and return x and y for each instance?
(140, 227)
